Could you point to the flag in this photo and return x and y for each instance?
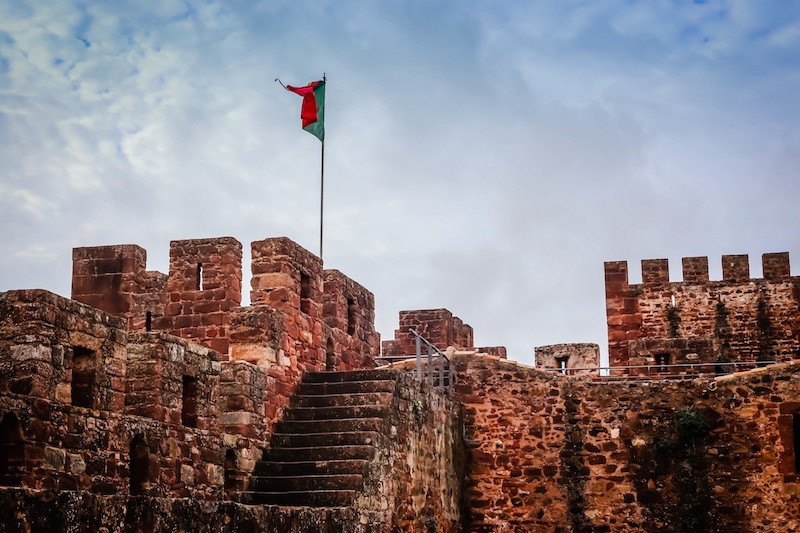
(312, 113)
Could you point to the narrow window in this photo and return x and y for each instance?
(330, 356)
(199, 286)
(83, 376)
(12, 450)
(189, 413)
(305, 293)
(148, 321)
(561, 364)
(662, 361)
(796, 424)
(230, 470)
(139, 465)
(351, 317)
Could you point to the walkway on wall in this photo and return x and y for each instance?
(662, 372)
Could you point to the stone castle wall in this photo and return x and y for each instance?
(552, 452)
(439, 326)
(91, 388)
(583, 357)
(697, 320)
(200, 300)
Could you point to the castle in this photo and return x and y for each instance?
(157, 402)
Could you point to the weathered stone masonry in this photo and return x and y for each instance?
(148, 406)
(698, 320)
(550, 452)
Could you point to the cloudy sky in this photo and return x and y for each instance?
(482, 156)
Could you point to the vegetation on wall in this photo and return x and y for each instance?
(575, 471)
(673, 321)
(764, 328)
(673, 475)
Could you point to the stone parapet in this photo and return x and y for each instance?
(743, 318)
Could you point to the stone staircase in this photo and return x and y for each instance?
(320, 452)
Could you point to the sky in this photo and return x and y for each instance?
(482, 156)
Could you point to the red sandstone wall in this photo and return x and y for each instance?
(439, 326)
(203, 286)
(284, 332)
(697, 320)
(561, 453)
(349, 314)
(134, 392)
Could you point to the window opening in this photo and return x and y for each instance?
(12, 450)
(199, 276)
(561, 364)
(351, 317)
(330, 356)
(189, 413)
(230, 470)
(148, 321)
(662, 361)
(305, 293)
(83, 376)
(139, 465)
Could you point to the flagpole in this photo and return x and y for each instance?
(322, 181)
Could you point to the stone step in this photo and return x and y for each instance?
(331, 400)
(321, 453)
(350, 375)
(308, 498)
(304, 440)
(345, 387)
(308, 482)
(343, 425)
(335, 412)
(299, 468)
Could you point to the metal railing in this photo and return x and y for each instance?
(678, 371)
(433, 366)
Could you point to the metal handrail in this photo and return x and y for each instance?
(662, 371)
(431, 375)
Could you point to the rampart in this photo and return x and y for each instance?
(300, 315)
(738, 318)
(128, 417)
(440, 327)
(554, 452)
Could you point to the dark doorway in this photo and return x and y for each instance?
(84, 362)
(663, 360)
(12, 451)
(190, 392)
(330, 356)
(230, 470)
(140, 465)
(305, 293)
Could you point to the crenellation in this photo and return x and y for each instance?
(775, 266)
(655, 271)
(176, 394)
(349, 317)
(735, 268)
(695, 269)
(736, 319)
(439, 326)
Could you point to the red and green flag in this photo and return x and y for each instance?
(312, 113)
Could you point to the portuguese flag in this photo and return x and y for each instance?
(313, 111)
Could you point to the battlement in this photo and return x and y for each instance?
(738, 318)
(441, 327)
(735, 269)
(200, 299)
